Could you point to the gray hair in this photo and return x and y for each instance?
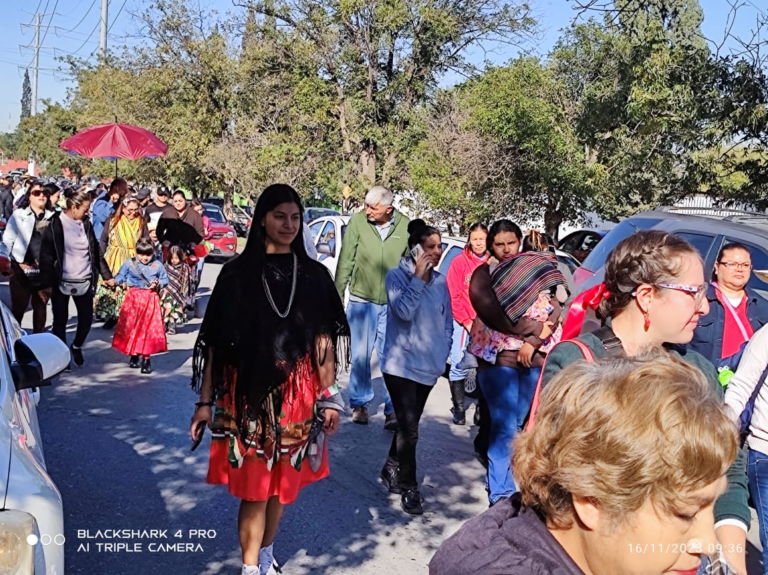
(379, 195)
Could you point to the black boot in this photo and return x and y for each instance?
(457, 396)
(134, 363)
(146, 366)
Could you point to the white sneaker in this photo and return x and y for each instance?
(250, 570)
(267, 562)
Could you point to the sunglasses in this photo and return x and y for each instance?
(37, 192)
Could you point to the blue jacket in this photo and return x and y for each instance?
(137, 275)
(100, 211)
(419, 325)
(708, 336)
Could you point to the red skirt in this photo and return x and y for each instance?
(140, 329)
(253, 480)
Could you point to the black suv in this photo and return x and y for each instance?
(707, 229)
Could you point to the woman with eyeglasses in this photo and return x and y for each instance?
(23, 237)
(653, 295)
(734, 312)
(118, 244)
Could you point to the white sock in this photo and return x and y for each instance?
(266, 559)
(250, 570)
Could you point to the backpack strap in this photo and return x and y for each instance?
(588, 355)
(610, 342)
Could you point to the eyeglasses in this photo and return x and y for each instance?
(696, 292)
(736, 265)
(37, 192)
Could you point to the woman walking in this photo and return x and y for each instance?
(23, 237)
(654, 295)
(118, 244)
(197, 205)
(735, 313)
(458, 277)
(71, 263)
(416, 347)
(515, 295)
(274, 387)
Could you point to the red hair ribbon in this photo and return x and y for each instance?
(589, 299)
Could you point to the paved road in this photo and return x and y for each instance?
(117, 446)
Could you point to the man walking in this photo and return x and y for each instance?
(374, 243)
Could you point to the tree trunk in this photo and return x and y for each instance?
(229, 197)
(368, 163)
(552, 220)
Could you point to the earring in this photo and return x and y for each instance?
(647, 323)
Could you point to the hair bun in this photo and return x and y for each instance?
(415, 225)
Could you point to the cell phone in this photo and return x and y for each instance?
(199, 432)
(416, 251)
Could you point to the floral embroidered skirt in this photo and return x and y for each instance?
(107, 302)
(254, 472)
(174, 310)
(140, 329)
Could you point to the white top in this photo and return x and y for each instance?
(753, 363)
(77, 256)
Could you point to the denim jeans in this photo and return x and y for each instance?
(458, 348)
(757, 471)
(509, 393)
(368, 325)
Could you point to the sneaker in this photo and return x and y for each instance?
(411, 502)
(390, 422)
(477, 416)
(171, 328)
(110, 323)
(77, 356)
(134, 363)
(360, 415)
(459, 417)
(391, 480)
(267, 561)
(146, 366)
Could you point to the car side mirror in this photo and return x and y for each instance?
(39, 358)
(324, 249)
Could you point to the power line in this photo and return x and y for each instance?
(82, 19)
(116, 17)
(88, 39)
(53, 13)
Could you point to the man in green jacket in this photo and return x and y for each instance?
(374, 243)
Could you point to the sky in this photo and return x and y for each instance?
(72, 27)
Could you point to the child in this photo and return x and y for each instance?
(152, 228)
(140, 329)
(174, 297)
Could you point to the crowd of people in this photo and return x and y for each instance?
(125, 256)
(609, 422)
(608, 450)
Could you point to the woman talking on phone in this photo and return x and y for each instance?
(274, 388)
(417, 345)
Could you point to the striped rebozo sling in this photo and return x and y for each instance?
(518, 281)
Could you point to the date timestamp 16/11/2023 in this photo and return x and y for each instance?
(675, 548)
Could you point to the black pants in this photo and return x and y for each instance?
(484, 431)
(60, 305)
(409, 399)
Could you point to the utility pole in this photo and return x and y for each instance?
(36, 62)
(104, 23)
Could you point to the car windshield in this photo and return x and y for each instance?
(215, 215)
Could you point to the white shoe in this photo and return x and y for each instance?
(267, 562)
(250, 570)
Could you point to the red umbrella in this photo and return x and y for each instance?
(113, 141)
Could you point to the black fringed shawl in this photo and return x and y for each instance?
(253, 352)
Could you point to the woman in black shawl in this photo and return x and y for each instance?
(273, 338)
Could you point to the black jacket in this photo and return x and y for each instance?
(52, 254)
(6, 202)
(507, 539)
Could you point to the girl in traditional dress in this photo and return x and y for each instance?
(175, 295)
(140, 330)
(118, 244)
(273, 338)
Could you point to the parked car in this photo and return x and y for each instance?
(581, 243)
(224, 238)
(312, 214)
(706, 229)
(567, 259)
(241, 219)
(328, 233)
(32, 515)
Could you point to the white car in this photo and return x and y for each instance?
(32, 516)
(329, 231)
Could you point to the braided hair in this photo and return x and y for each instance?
(646, 257)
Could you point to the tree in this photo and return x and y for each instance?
(382, 60)
(26, 97)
